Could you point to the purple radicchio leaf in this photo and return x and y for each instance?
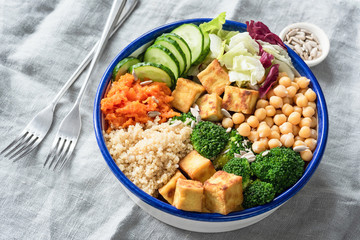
(259, 31)
(269, 81)
(265, 58)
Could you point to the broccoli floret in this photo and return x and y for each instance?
(209, 139)
(240, 167)
(183, 117)
(235, 144)
(282, 167)
(258, 193)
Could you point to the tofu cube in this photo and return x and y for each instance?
(240, 99)
(188, 195)
(168, 190)
(214, 78)
(210, 107)
(185, 94)
(197, 167)
(223, 192)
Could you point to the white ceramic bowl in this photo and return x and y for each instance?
(205, 222)
(318, 32)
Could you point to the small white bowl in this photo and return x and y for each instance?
(318, 32)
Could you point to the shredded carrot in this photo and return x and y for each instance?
(128, 102)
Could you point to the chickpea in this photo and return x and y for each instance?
(298, 109)
(303, 82)
(296, 130)
(288, 100)
(287, 139)
(301, 101)
(227, 123)
(294, 118)
(265, 141)
(270, 93)
(287, 109)
(264, 130)
(294, 84)
(308, 112)
(282, 74)
(279, 119)
(298, 143)
(286, 127)
(238, 118)
(302, 91)
(312, 104)
(262, 103)
(291, 91)
(253, 121)
(260, 113)
(274, 135)
(258, 146)
(262, 123)
(280, 91)
(244, 129)
(273, 143)
(285, 81)
(313, 134)
(270, 111)
(306, 155)
(313, 122)
(305, 132)
(299, 138)
(310, 95)
(276, 101)
(254, 136)
(305, 122)
(311, 143)
(269, 121)
(275, 128)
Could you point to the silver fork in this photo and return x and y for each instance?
(69, 130)
(38, 127)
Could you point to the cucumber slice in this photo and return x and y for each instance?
(184, 46)
(206, 49)
(175, 49)
(122, 67)
(193, 37)
(159, 54)
(155, 72)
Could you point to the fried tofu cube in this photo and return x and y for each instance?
(188, 195)
(197, 167)
(214, 78)
(185, 94)
(223, 192)
(168, 190)
(240, 99)
(210, 107)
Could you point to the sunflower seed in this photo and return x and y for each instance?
(194, 112)
(249, 156)
(237, 155)
(198, 118)
(155, 99)
(300, 148)
(292, 32)
(133, 73)
(264, 153)
(146, 82)
(313, 52)
(225, 113)
(228, 129)
(226, 151)
(196, 107)
(153, 113)
(192, 124)
(176, 123)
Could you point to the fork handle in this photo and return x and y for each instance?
(88, 58)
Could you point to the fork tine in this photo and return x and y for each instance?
(52, 151)
(24, 149)
(20, 146)
(16, 140)
(58, 151)
(68, 156)
(63, 153)
(38, 140)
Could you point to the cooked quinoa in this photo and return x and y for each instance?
(149, 154)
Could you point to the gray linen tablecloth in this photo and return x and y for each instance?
(42, 43)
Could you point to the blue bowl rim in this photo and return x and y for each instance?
(210, 217)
